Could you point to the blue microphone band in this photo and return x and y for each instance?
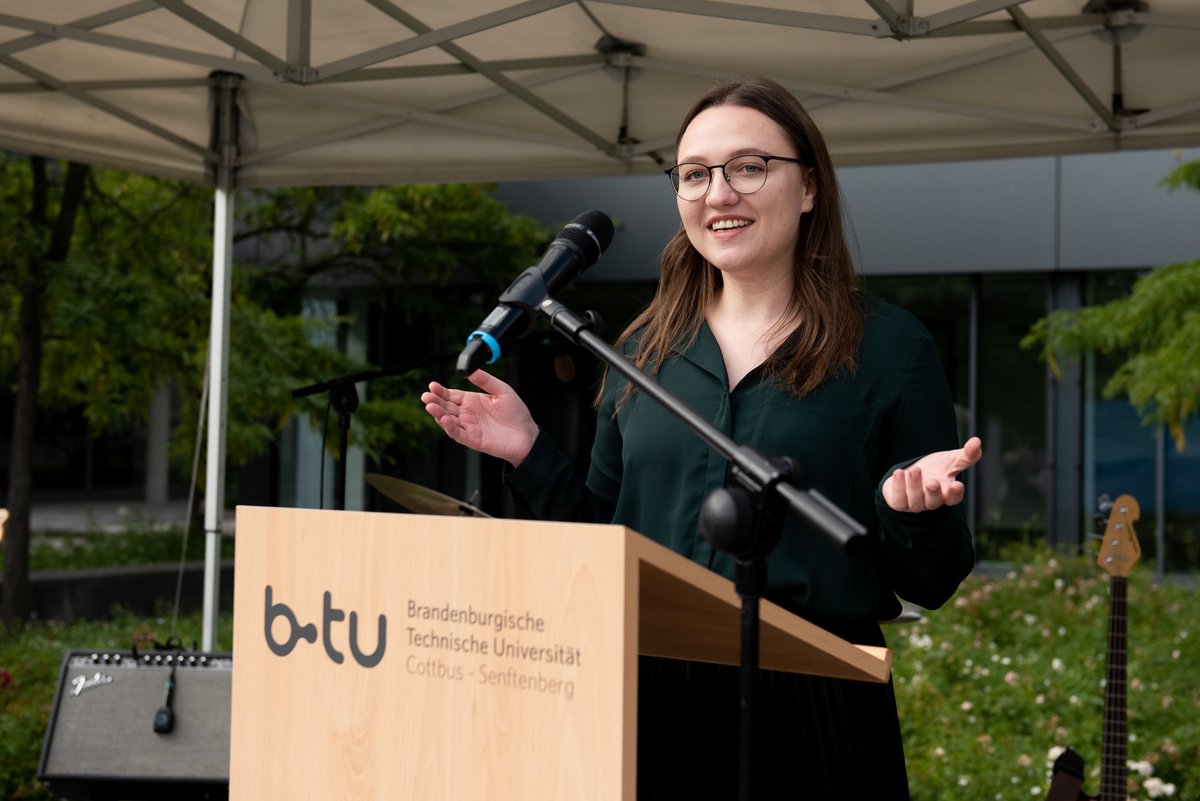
(492, 345)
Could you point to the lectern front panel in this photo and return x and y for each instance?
(390, 656)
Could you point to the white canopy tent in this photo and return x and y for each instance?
(375, 91)
(304, 92)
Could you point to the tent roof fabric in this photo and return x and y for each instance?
(386, 91)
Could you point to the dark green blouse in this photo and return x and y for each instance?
(651, 473)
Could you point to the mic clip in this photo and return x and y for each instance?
(527, 293)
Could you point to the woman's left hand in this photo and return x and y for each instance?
(931, 481)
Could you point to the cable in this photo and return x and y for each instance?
(187, 523)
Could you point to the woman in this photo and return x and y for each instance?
(760, 324)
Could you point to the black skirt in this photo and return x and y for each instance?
(818, 738)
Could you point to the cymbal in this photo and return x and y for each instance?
(421, 500)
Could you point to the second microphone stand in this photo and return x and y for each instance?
(343, 397)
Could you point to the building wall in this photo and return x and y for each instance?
(1093, 212)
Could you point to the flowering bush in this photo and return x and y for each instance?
(992, 687)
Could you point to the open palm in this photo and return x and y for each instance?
(495, 421)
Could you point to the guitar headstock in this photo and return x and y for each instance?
(1119, 549)
(3, 520)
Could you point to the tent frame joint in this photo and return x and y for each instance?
(907, 27)
(301, 74)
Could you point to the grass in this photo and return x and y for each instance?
(987, 686)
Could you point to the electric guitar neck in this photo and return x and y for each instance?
(1119, 551)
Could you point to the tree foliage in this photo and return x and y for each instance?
(418, 252)
(125, 309)
(130, 310)
(44, 225)
(1155, 330)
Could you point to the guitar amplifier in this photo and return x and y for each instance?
(149, 725)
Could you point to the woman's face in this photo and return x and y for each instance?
(736, 233)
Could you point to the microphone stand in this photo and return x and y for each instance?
(744, 518)
(343, 396)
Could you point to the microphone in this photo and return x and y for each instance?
(164, 718)
(580, 243)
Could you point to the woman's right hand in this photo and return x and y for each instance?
(496, 421)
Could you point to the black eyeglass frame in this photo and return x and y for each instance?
(710, 167)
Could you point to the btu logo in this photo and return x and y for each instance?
(308, 632)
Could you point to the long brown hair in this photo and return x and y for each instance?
(826, 292)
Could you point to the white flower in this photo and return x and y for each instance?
(939, 752)
(1143, 767)
(964, 780)
(1157, 788)
(966, 706)
(1056, 665)
(923, 641)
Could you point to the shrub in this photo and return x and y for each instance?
(1014, 667)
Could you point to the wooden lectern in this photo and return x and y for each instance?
(385, 656)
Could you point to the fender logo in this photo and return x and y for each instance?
(81, 684)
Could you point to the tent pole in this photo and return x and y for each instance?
(225, 86)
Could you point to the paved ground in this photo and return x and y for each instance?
(109, 515)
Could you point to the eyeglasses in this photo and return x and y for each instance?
(745, 174)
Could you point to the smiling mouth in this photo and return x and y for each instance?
(728, 225)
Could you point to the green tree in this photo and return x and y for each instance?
(1155, 330)
(433, 255)
(107, 276)
(37, 246)
(129, 310)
